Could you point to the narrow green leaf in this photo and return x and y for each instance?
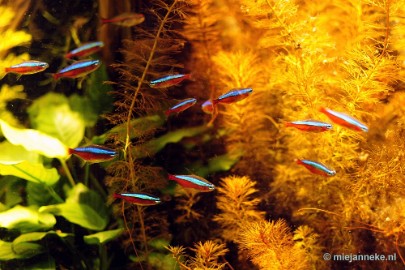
(35, 236)
(102, 237)
(26, 219)
(217, 164)
(52, 115)
(152, 147)
(34, 140)
(36, 173)
(139, 127)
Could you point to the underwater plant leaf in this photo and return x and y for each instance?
(13, 154)
(162, 261)
(139, 127)
(98, 91)
(26, 219)
(52, 115)
(84, 106)
(36, 173)
(83, 207)
(102, 237)
(7, 253)
(216, 164)
(153, 146)
(27, 249)
(36, 236)
(34, 140)
(78, 213)
(39, 195)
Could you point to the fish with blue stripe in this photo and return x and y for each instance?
(233, 95)
(85, 50)
(344, 120)
(169, 80)
(140, 198)
(27, 67)
(193, 181)
(310, 125)
(77, 69)
(181, 106)
(94, 153)
(316, 167)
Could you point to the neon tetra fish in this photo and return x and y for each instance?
(310, 125)
(126, 19)
(85, 50)
(207, 107)
(344, 120)
(77, 69)
(316, 167)
(27, 67)
(192, 181)
(181, 106)
(234, 95)
(94, 153)
(169, 80)
(139, 198)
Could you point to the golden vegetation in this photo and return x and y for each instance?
(297, 56)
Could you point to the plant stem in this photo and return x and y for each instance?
(67, 171)
(86, 174)
(53, 194)
(140, 82)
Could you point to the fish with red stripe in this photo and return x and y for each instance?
(344, 120)
(233, 96)
(27, 67)
(193, 181)
(127, 19)
(169, 80)
(316, 167)
(77, 69)
(94, 153)
(181, 106)
(85, 50)
(140, 198)
(309, 125)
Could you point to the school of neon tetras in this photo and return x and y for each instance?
(98, 153)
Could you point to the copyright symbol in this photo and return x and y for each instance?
(327, 256)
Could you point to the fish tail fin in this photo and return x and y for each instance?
(167, 113)
(171, 177)
(298, 161)
(288, 124)
(116, 196)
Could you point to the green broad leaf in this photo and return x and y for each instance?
(98, 91)
(153, 146)
(13, 154)
(27, 250)
(216, 164)
(34, 140)
(83, 207)
(78, 213)
(36, 173)
(102, 237)
(7, 253)
(138, 127)
(84, 106)
(10, 190)
(159, 243)
(26, 219)
(52, 115)
(39, 195)
(162, 261)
